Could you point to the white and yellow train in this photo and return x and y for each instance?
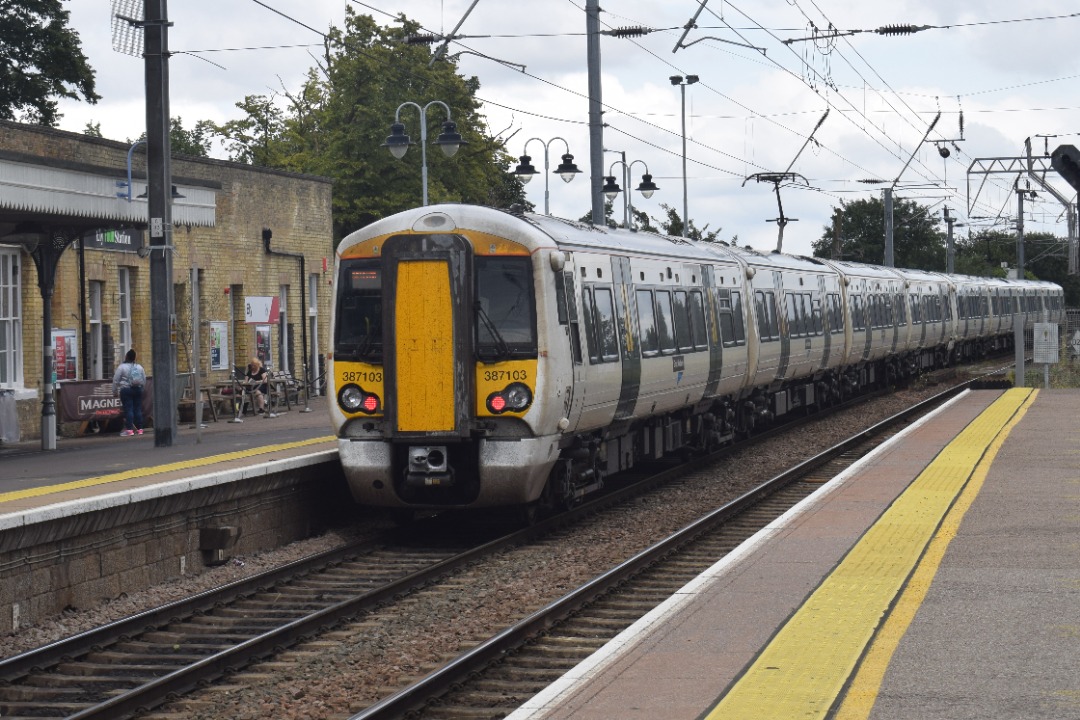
(486, 358)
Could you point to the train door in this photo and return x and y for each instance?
(569, 314)
(429, 389)
(602, 373)
(627, 321)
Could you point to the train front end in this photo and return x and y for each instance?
(436, 366)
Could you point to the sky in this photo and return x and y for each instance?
(1007, 69)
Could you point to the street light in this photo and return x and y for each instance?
(611, 189)
(682, 83)
(45, 246)
(566, 170)
(398, 142)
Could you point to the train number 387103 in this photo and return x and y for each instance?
(501, 375)
(362, 376)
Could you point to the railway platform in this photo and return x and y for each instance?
(938, 577)
(81, 468)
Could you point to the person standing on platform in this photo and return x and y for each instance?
(129, 379)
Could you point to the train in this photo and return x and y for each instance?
(486, 357)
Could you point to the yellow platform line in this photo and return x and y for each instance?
(157, 469)
(803, 670)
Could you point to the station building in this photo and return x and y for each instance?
(257, 243)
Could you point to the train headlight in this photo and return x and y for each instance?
(352, 398)
(516, 397)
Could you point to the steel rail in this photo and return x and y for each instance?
(436, 683)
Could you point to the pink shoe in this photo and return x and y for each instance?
(127, 433)
(139, 431)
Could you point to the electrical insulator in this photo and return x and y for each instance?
(625, 32)
(901, 29)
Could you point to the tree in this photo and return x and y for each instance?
(182, 141)
(917, 243)
(41, 59)
(673, 225)
(335, 124)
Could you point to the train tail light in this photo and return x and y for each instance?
(353, 398)
(516, 397)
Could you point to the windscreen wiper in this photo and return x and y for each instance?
(503, 349)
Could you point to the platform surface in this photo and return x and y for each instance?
(84, 468)
(939, 577)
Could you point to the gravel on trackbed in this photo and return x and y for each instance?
(377, 655)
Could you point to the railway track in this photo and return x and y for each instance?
(496, 677)
(128, 667)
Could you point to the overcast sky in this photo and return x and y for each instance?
(1012, 75)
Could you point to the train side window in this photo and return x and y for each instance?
(816, 316)
(836, 317)
(650, 343)
(768, 322)
(664, 326)
(570, 300)
(725, 318)
(607, 339)
(697, 320)
(683, 338)
(858, 321)
(737, 316)
(901, 309)
(794, 324)
(807, 314)
(587, 313)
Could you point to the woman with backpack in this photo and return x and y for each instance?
(129, 378)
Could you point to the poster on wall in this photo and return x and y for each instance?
(219, 345)
(65, 354)
(262, 344)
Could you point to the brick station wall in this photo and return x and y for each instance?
(231, 254)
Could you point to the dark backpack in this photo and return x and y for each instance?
(137, 375)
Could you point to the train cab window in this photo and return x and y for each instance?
(664, 325)
(358, 329)
(505, 309)
(600, 324)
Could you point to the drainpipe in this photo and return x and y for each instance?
(267, 234)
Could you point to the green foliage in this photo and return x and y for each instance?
(41, 59)
(92, 129)
(338, 120)
(917, 243)
(182, 141)
(1045, 258)
(672, 224)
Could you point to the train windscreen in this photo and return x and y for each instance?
(358, 332)
(505, 308)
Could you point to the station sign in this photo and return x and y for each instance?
(261, 310)
(126, 240)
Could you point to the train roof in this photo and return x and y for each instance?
(550, 231)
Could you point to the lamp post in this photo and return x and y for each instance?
(647, 187)
(45, 247)
(682, 83)
(448, 141)
(566, 170)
